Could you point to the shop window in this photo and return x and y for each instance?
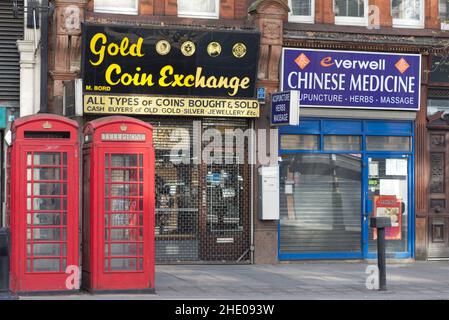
(114, 6)
(199, 8)
(320, 206)
(438, 100)
(302, 11)
(351, 12)
(435, 105)
(338, 142)
(407, 13)
(444, 14)
(300, 142)
(388, 143)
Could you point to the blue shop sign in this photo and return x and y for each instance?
(285, 108)
(2, 117)
(350, 79)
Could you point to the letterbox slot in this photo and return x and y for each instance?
(47, 135)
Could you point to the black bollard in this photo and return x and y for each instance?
(380, 223)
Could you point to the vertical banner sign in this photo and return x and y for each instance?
(285, 108)
(390, 207)
(349, 79)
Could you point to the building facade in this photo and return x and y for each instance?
(338, 166)
(11, 34)
(314, 148)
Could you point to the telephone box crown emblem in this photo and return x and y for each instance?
(123, 127)
(47, 125)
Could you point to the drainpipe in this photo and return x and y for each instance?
(253, 165)
(44, 56)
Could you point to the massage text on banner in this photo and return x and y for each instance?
(348, 79)
(173, 106)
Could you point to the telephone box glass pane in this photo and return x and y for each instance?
(121, 220)
(46, 265)
(124, 160)
(123, 205)
(45, 249)
(49, 159)
(46, 211)
(125, 234)
(125, 249)
(124, 190)
(46, 234)
(47, 203)
(46, 219)
(124, 175)
(123, 264)
(46, 189)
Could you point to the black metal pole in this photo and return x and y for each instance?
(381, 262)
(44, 57)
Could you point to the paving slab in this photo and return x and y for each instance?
(317, 280)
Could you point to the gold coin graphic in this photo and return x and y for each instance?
(188, 48)
(163, 47)
(214, 49)
(239, 50)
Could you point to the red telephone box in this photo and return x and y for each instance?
(42, 203)
(119, 200)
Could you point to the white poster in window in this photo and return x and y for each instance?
(396, 167)
(373, 169)
(401, 167)
(389, 187)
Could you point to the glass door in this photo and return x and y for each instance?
(388, 194)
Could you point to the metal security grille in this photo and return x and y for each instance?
(202, 210)
(11, 30)
(227, 199)
(123, 212)
(46, 211)
(177, 192)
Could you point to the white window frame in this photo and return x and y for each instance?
(444, 24)
(202, 15)
(301, 18)
(406, 23)
(353, 21)
(118, 9)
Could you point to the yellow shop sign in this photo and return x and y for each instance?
(172, 106)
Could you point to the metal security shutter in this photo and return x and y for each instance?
(196, 214)
(177, 192)
(322, 212)
(11, 30)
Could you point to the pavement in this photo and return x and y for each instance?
(297, 281)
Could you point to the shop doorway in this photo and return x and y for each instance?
(438, 195)
(387, 193)
(202, 209)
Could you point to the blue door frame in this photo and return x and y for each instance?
(367, 208)
(363, 128)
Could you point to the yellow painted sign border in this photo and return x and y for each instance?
(172, 106)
